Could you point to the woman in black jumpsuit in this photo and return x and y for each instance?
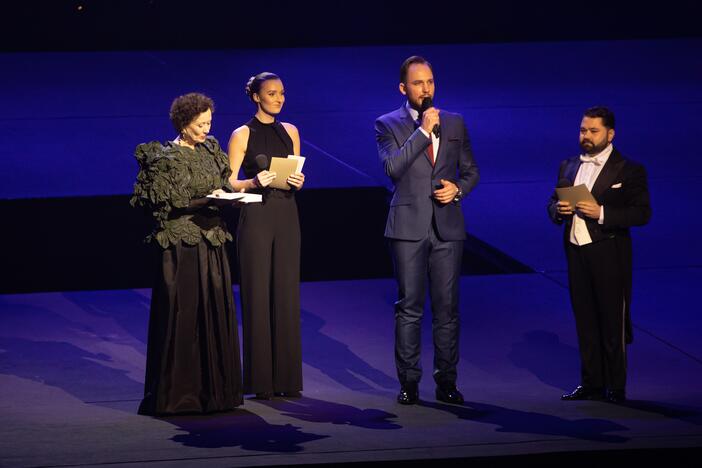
(268, 246)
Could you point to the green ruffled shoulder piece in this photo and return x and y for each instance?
(169, 177)
(219, 159)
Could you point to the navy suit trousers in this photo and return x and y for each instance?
(415, 262)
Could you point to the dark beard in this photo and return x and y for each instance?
(593, 149)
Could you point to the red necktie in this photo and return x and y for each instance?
(430, 152)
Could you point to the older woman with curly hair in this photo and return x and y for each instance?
(193, 347)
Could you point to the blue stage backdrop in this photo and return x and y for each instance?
(71, 120)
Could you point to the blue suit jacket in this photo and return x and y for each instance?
(402, 148)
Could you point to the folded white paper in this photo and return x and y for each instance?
(239, 197)
(283, 167)
(300, 162)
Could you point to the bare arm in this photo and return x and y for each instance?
(237, 149)
(296, 180)
(294, 136)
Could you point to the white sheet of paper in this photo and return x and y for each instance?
(239, 197)
(300, 162)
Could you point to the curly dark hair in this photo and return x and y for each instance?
(253, 86)
(186, 108)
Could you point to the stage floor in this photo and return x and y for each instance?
(72, 364)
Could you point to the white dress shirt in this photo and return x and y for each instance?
(588, 172)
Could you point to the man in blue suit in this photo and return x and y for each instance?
(427, 155)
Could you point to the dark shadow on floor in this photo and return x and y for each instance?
(320, 411)
(67, 367)
(58, 358)
(551, 361)
(651, 409)
(239, 428)
(126, 307)
(335, 359)
(525, 422)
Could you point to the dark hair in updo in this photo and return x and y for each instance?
(186, 108)
(253, 86)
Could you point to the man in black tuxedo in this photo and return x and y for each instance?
(429, 161)
(598, 252)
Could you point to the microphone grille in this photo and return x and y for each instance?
(262, 161)
(427, 103)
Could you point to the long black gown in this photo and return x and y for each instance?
(193, 348)
(268, 245)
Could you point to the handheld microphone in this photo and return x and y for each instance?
(262, 162)
(426, 104)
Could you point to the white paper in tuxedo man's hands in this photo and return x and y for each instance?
(575, 194)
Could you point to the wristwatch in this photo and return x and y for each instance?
(458, 196)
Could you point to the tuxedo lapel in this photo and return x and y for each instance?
(572, 170)
(609, 173)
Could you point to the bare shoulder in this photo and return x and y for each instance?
(238, 142)
(290, 128)
(241, 132)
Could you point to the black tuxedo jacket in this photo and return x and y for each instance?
(622, 189)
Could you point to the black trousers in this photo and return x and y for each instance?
(415, 262)
(597, 282)
(269, 260)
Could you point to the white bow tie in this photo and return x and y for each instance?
(589, 159)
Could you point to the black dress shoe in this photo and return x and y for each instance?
(294, 394)
(264, 396)
(584, 393)
(449, 394)
(616, 396)
(409, 395)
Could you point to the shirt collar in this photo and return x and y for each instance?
(414, 113)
